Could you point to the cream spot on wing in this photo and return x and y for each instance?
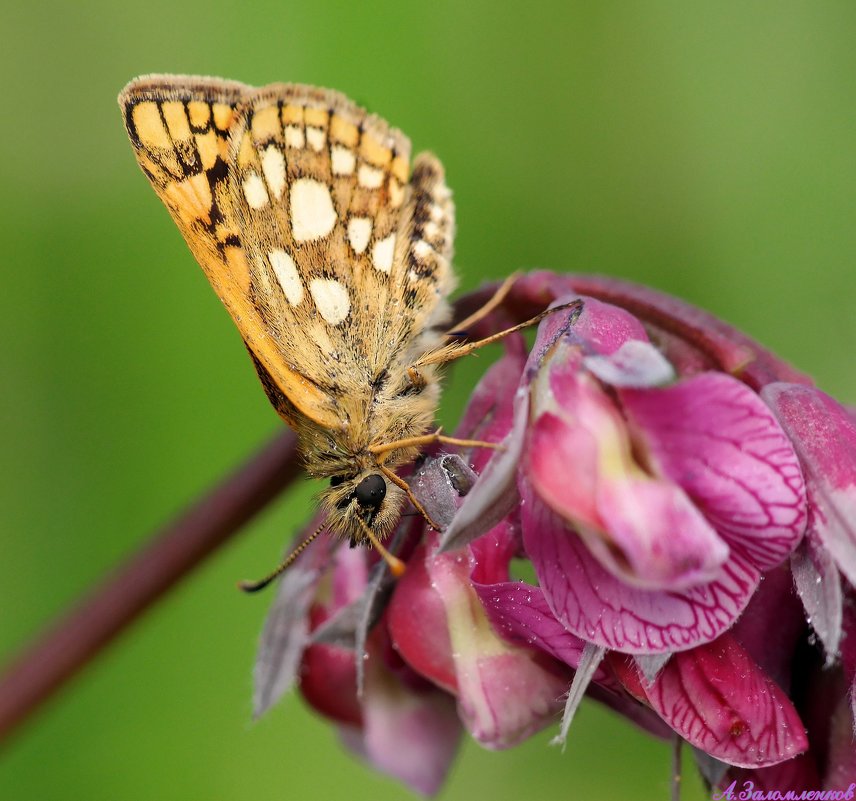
(430, 230)
(254, 191)
(442, 193)
(331, 299)
(273, 165)
(422, 250)
(312, 212)
(369, 177)
(287, 275)
(382, 253)
(315, 137)
(436, 213)
(294, 136)
(292, 115)
(359, 233)
(317, 333)
(343, 159)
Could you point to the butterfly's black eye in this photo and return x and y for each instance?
(371, 491)
(336, 480)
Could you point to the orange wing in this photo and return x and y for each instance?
(180, 129)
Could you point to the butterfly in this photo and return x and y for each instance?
(331, 253)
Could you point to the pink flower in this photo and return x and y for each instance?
(688, 505)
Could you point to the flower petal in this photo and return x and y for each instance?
(328, 678)
(498, 412)
(416, 619)
(824, 435)
(773, 627)
(604, 329)
(634, 364)
(716, 439)
(286, 629)
(505, 693)
(495, 493)
(580, 460)
(664, 541)
(718, 700)
(818, 583)
(412, 736)
(600, 608)
(521, 614)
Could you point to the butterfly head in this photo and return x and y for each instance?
(365, 500)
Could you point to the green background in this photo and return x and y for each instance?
(705, 149)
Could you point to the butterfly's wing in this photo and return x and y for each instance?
(331, 258)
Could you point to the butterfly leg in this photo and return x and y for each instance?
(430, 439)
(416, 378)
(484, 311)
(454, 350)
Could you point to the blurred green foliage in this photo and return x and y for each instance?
(706, 149)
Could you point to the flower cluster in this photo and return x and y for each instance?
(687, 503)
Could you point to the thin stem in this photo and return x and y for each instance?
(60, 652)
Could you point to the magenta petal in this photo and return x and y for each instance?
(410, 736)
(818, 583)
(497, 412)
(604, 329)
(634, 364)
(580, 460)
(520, 613)
(505, 694)
(416, 619)
(718, 440)
(494, 494)
(773, 626)
(664, 541)
(600, 608)
(718, 700)
(562, 463)
(824, 435)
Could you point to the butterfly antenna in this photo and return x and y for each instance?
(255, 586)
(396, 566)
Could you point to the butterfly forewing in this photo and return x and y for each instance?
(330, 256)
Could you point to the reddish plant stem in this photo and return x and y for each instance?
(60, 652)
